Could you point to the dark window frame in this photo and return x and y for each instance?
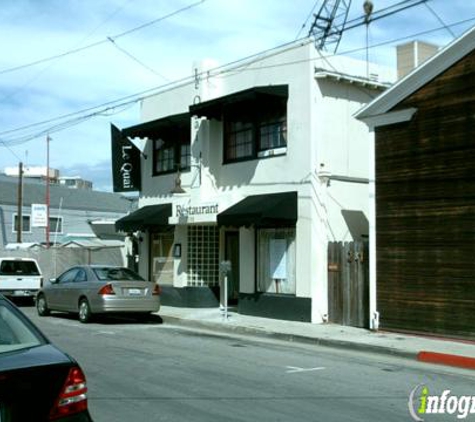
(25, 217)
(52, 224)
(172, 140)
(254, 116)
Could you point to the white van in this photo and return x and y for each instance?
(20, 277)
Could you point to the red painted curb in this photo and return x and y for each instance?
(446, 359)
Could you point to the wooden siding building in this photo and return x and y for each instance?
(425, 196)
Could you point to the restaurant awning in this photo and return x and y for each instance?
(152, 128)
(273, 209)
(213, 108)
(144, 218)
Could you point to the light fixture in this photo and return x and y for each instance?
(177, 250)
(177, 188)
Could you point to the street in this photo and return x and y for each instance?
(147, 371)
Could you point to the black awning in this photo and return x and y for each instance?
(144, 218)
(150, 129)
(214, 108)
(274, 209)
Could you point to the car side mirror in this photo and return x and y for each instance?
(53, 280)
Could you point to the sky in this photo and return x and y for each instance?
(61, 60)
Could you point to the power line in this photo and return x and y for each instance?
(37, 75)
(306, 20)
(79, 116)
(9, 149)
(98, 43)
(440, 20)
(135, 59)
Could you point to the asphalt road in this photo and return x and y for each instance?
(147, 371)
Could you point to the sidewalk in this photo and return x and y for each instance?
(433, 350)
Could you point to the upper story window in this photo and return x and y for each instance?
(252, 129)
(254, 121)
(172, 152)
(170, 139)
(239, 138)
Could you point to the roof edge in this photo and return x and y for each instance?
(421, 75)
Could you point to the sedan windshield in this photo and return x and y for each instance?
(116, 274)
(15, 334)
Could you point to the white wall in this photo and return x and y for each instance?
(322, 136)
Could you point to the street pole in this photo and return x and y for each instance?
(47, 190)
(225, 269)
(19, 217)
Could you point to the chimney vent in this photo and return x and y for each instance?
(413, 54)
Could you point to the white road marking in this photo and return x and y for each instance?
(295, 369)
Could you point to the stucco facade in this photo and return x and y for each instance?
(324, 161)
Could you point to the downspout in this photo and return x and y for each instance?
(2, 227)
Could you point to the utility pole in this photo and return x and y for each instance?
(368, 10)
(19, 217)
(48, 139)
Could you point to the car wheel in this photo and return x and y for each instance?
(42, 306)
(85, 314)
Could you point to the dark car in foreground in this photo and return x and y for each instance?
(38, 382)
(89, 290)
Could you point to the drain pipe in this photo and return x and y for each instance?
(2, 227)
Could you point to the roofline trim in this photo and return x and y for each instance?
(421, 75)
(386, 119)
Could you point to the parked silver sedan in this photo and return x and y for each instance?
(98, 289)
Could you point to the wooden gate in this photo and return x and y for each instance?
(348, 283)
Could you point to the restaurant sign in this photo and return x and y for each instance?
(126, 175)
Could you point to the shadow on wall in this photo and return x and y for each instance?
(212, 157)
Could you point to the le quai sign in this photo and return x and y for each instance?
(126, 175)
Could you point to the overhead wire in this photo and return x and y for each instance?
(306, 20)
(223, 69)
(135, 59)
(38, 75)
(97, 43)
(440, 20)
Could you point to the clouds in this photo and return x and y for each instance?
(225, 30)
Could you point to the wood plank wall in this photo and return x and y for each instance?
(425, 193)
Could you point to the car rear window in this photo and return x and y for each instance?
(14, 267)
(116, 274)
(15, 334)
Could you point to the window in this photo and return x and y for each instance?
(172, 151)
(276, 261)
(203, 256)
(164, 159)
(254, 129)
(15, 334)
(162, 257)
(56, 224)
(25, 225)
(115, 274)
(272, 134)
(18, 267)
(80, 276)
(68, 276)
(239, 140)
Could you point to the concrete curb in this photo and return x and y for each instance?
(256, 332)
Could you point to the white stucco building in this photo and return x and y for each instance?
(269, 156)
